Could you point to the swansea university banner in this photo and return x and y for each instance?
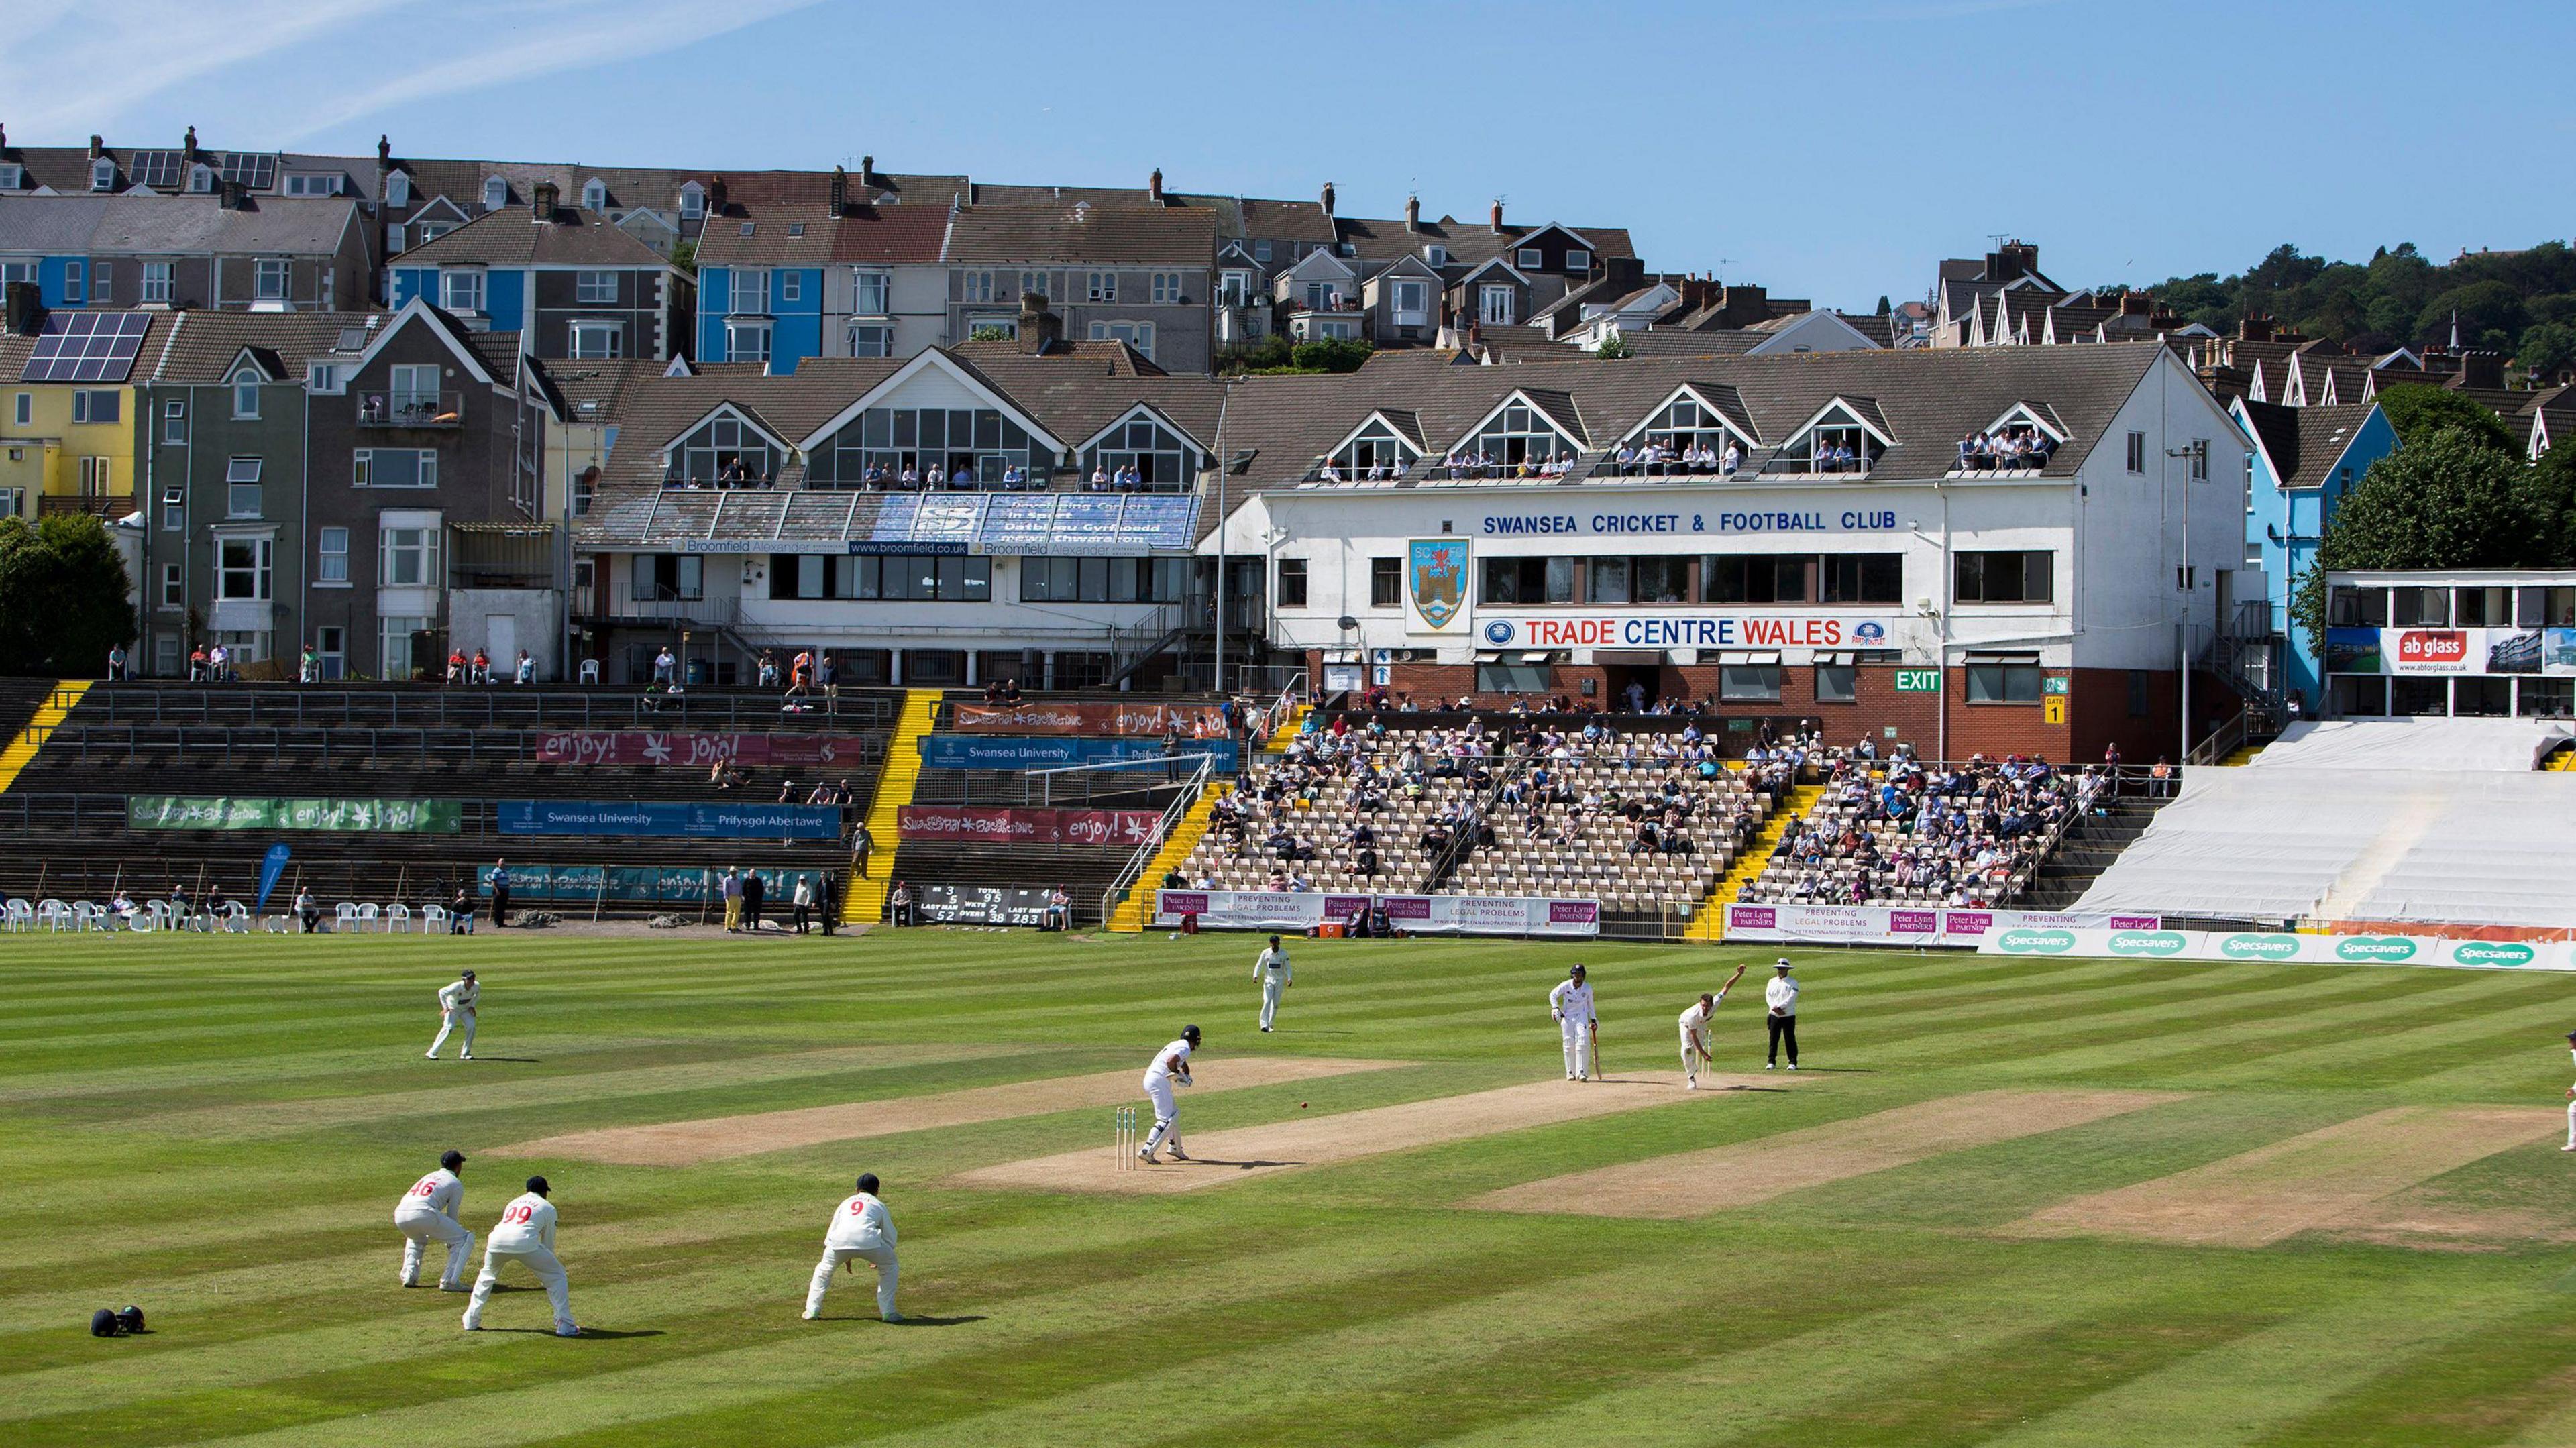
(224, 812)
(950, 751)
(692, 821)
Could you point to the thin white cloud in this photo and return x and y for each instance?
(102, 58)
(516, 42)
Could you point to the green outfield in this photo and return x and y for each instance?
(2016, 1202)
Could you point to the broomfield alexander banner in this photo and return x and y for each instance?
(401, 816)
(1420, 914)
(1198, 721)
(698, 751)
(1893, 925)
(2281, 947)
(1125, 829)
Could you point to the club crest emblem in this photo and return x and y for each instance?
(1438, 570)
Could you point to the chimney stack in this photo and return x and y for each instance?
(1498, 215)
(1328, 198)
(543, 200)
(189, 148)
(2481, 367)
(716, 195)
(97, 144)
(840, 190)
(868, 173)
(230, 195)
(1040, 329)
(1413, 213)
(26, 312)
(1154, 187)
(2254, 327)
(384, 151)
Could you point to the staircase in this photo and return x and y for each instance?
(865, 904)
(1709, 922)
(2243, 755)
(57, 705)
(2087, 851)
(1286, 734)
(1137, 910)
(2563, 758)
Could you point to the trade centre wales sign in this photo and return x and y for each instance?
(1715, 628)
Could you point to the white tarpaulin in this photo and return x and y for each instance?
(2434, 821)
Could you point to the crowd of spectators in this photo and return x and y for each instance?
(1661, 459)
(1900, 831)
(2005, 450)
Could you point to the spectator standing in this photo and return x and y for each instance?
(863, 843)
(827, 673)
(731, 887)
(754, 889)
(308, 668)
(829, 898)
(500, 894)
(664, 667)
(803, 901)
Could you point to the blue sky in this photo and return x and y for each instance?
(1832, 149)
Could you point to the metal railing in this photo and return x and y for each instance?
(462, 705)
(411, 409)
(94, 505)
(1131, 875)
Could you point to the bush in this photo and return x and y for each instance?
(63, 598)
(1330, 354)
(2418, 410)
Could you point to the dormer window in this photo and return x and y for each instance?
(496, 193)
(102, 175)
(201, 179)
(1517, 433)
(1687, 435)
(693, 201)
(1577, 259)
(1376, 451)
(1436, 255)
(13, 177)
(1531, 258)
(723, 451)
(594, 195)
(1837, 441)
(398, 189)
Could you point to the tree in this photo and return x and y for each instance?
(2548, 491)
(2546, 347)
(1330, 354)
(2479, 307)
(2417, 410)
(2446, 498)
(1883, 307)
(63, 597)
(685, 257)
(1613, 348)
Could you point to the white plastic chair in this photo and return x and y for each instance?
(277, 924)
(17, 915)
(155, 911)
(397, 917)
(590, 671)
(367, 917)
(235, 919)
(345, 917)
(87, 916)
(53, 915)
(433, 919)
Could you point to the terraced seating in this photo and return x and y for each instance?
(1348, 813)
(1899, 832)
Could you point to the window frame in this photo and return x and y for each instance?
(2000, 682)
(461, 289)
(174, 586)
(260, 570)
(1292, 578)
(330, 564)
(1100, 286)
(1386, 583)
(589, 327)
(160, 282)
(272, 279)
(1983, 591)
(595, 287)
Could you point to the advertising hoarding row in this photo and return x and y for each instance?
(1417, 914)
(1924, 925)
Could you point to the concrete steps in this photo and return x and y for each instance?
(1136, 911)
(1709, 921)
(57, 706)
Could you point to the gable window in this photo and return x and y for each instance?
(1139, 335)
(693, 202)
(871, 294)
(461, 291)
(393, 467)
(747, 341)
(1577, 259)
(594, 288)
(244, 571)
(1694, 435)
(594, 195)
(1158, 457)
(241, 488)
(1531, 258)
(749, 291)
(2137, 452)
(1166, 287)
(496, 193)
(1495, 304)
(724, 447)
(1234, 288)
(2020, 577)
(174, 423)
(102, 175)
(1837, 443)
(415, 390)
(881, 445)
(408, 557)
(1292, 583)
(1412, 302)
(1520, 433)
(269, 279)
(1436, 255)
(601, 340)
(1375, 451)
(872, 340)
(1101, 286)
(245, 398)
(156, 283)
(331, 556)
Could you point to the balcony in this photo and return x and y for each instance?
(107, 506)
(441, 410)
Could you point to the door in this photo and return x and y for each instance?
(501, 641)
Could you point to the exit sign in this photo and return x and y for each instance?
(1918, 681)
(2056, 684)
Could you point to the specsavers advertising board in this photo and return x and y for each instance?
(2281, 947)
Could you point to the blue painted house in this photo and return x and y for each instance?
(568, 281)
(2303, 463)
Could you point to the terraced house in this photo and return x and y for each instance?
(67, 381)
(851, 271)
(568, 281)
(229, 250)
(1140, 275)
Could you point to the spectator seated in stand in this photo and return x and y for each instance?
(1900, 832)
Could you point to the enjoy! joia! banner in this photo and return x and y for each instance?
(225, 812)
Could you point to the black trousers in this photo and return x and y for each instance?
(500, 907)
(1783, 1029)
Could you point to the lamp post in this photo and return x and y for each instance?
(2196, 460)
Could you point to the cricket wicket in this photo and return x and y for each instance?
(1126, 1138)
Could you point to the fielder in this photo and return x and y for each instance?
(861, 1229)
(1171, 1067)
(427, 1213)
(1695, 1024)
(1273, 973)
(455, 1008)
(526, 1235)
(1571, 1004)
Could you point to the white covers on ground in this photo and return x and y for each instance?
(2434, 821)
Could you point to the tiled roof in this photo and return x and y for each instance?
(16, 347)
(1104, 358)
(1925, 400)
(809, 234)
(198, 346)
(1469, 243)
(122, 225)
(1169, 235)
(512, 237)
(595, 390)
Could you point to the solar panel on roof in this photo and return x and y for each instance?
(258, 172)
(87, 347)
(160, 170)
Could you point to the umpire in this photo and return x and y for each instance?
(1781, 995)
